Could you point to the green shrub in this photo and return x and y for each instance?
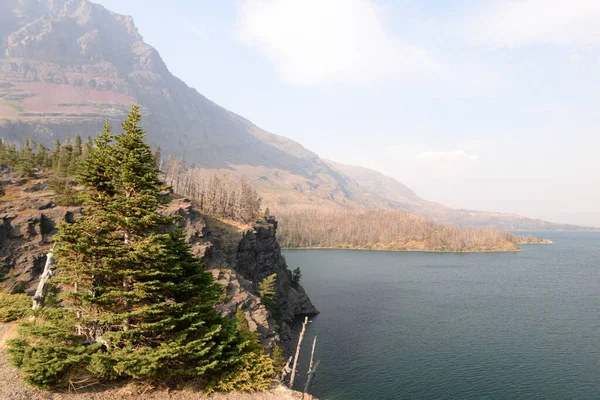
(14, 306)
(47, 351)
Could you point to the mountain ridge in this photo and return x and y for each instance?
(68, 65)
(399, 196)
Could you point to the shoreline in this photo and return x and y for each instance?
(408, 250)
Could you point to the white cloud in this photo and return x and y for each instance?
(527, 22)
(321, 42)
(456, 155)
(195, 29)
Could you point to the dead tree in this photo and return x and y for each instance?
(293, 376)
(39, 299)
(311, 375)
(311, 369)
(286, 370)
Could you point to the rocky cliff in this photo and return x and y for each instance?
(238, 256)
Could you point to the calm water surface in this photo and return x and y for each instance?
(456, 326)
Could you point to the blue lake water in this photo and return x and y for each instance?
(396, 325)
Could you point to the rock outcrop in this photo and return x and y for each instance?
(259, 256)
(27, 225)
(238, 256)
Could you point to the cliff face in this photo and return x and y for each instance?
(239, 258)
(236, 255)
(259, 256)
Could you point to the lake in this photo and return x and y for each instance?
(397, 325)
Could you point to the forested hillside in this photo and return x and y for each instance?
(332, 227)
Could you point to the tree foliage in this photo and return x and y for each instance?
(13, 306)
(135, 302)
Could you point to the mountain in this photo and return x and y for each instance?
(395, 195)
(68, 65)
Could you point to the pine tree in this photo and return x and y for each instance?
(77, 151)
(41, 157)
(136, 293)
(12, 158)
(27, 160)
(296, 276)
(267, 290)
(55, 154)
(78, 147)
(87, 148)
(2, 153)
(63, 166)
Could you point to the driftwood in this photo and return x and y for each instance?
(311, 369)
(39, 299)
(293, 376)
(311, 375)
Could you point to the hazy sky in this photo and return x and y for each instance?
(490, 105)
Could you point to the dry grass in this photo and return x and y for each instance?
(7, 332)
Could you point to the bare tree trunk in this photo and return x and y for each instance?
(39, 299)
(293, 377)
(311, 375)
(286, 370)
(310, 367)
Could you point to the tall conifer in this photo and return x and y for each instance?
(27, 159)
(135, 293)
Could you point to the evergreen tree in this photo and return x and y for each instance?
(296, 276)
(77, 151)
(267, 290)
(63, 166)
(41, 157)
(55, 154)
(78, 147)
(27, 160)
(87, 148)
(11, 157)
(136, 293)
(2, 153)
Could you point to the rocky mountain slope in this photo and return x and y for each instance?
(238, 256)
(67, 65)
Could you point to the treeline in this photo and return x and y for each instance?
(28, 158)
(62, 163)
(530, 239)
(218, 194)
(335, 227)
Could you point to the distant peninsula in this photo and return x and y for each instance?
(321, 227)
